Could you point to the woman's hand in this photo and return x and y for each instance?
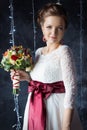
(22, 74)
(66, 128)
(67, 119)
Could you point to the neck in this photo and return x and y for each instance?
(52, 47)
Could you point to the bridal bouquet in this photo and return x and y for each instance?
(17, 58)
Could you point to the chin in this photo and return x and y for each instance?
(52, 41)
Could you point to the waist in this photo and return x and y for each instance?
(46, 88)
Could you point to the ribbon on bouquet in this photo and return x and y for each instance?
(16, 83)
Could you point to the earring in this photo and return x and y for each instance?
(44, 40)
(61, 41)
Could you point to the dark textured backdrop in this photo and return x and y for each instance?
(24, 36)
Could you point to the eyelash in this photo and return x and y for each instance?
(49, 27)
(59, 28)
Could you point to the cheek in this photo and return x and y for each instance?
(61, 34)
(45, 33)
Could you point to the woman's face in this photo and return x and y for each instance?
(53, 29)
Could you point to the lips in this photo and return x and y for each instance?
(53, 37)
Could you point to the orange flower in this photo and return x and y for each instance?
(6, 53)
(20, 55)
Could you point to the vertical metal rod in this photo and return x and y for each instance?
(34, 26)
(18, 125)
(81, 50)
(12, 23)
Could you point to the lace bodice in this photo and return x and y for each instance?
(57, 66)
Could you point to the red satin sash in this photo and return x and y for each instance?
(37, 109)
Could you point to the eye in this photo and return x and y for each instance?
(60, 28)
(49, 27)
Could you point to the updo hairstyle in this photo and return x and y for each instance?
(51, 9)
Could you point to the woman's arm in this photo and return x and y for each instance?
(69, 79)
(67, 118)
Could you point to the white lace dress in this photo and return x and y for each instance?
(56, 66)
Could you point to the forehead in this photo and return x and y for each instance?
(54, 20)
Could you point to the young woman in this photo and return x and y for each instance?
(52, 82)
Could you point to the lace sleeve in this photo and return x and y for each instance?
(69, 76)
(38, 52)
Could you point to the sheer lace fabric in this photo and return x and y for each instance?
(57, 66)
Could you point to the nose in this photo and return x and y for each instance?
(54, 31)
